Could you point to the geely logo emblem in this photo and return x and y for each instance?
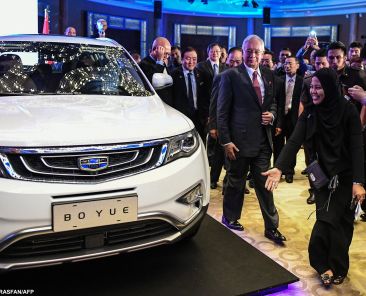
(93, 164)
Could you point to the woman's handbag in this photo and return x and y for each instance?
(317, 176)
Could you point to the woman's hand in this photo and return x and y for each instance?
(273, 178)
(358, 192)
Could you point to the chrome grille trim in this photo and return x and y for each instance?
(81, 149)
(43, 159)
(93, 176)
(148, 158)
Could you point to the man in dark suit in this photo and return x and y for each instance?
(293, 85)
(246, 109)
(267, 61)
(157, 62)
(190, 91)
(212, 66)
(215, 150)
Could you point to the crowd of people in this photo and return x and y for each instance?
(249, 109)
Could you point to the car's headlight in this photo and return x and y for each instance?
(182, 145)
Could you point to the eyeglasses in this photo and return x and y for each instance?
(250, 52)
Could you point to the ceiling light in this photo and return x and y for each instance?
(246, 3)
(254, 4)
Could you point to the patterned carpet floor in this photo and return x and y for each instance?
(290, 200)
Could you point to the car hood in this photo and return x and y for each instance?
(60, 120)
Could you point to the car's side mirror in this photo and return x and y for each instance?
(161, 80)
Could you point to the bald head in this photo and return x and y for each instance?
(161, 49)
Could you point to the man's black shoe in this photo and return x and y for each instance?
(232, 224)
(213, 185)
(311, 199)
(275, 235)
(251, 183)
(289, 178)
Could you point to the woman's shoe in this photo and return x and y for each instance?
(337, 280)
(327, 279)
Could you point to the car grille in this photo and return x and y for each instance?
(65, 164)
(122, 235)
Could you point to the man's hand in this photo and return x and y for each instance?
(159, 53)
(358, 192)
(267, 118)
(213, 133)
(358, 94)
(230, 150)
(278, 131)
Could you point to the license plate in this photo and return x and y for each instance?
(87, 214)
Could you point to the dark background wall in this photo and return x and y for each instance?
(73, 13)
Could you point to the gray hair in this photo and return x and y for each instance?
(251, 37)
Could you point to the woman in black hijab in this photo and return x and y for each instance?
(331, 125)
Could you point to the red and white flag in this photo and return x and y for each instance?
(46, 22)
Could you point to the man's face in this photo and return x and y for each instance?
(234, 59)
(321, 62)
(354, 52)
(336, 59)
(71, 32)
(267, 61)
(175, 56)
(291, 66)
(214, 53)
(283, 55)
(253, 53)
(190, 60)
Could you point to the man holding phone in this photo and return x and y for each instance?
(157, 62)
(310, 45)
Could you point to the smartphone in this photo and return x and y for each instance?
(312, 34)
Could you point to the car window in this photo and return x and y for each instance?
(57, 68)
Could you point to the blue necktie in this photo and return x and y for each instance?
(216, 70)
(190, 93)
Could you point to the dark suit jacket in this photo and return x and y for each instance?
(212, 124)
(150, 67)
(181, 102)
(280, 101)
(207, 69)
(293, 114)
(239, 114)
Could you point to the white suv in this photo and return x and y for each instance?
(92, 162)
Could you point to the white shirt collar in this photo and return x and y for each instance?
(288, 78)
(185, 71)
(251, 71)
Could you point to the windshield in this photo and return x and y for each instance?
(64, 68)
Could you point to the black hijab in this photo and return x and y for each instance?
(329, 112)
(327, 123)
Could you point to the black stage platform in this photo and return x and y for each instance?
(215, 262)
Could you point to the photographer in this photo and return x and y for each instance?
(310, 45)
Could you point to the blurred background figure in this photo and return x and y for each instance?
(136, 57)
(101, 27)
(175, 59)
(70, 31)
(223, 56)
